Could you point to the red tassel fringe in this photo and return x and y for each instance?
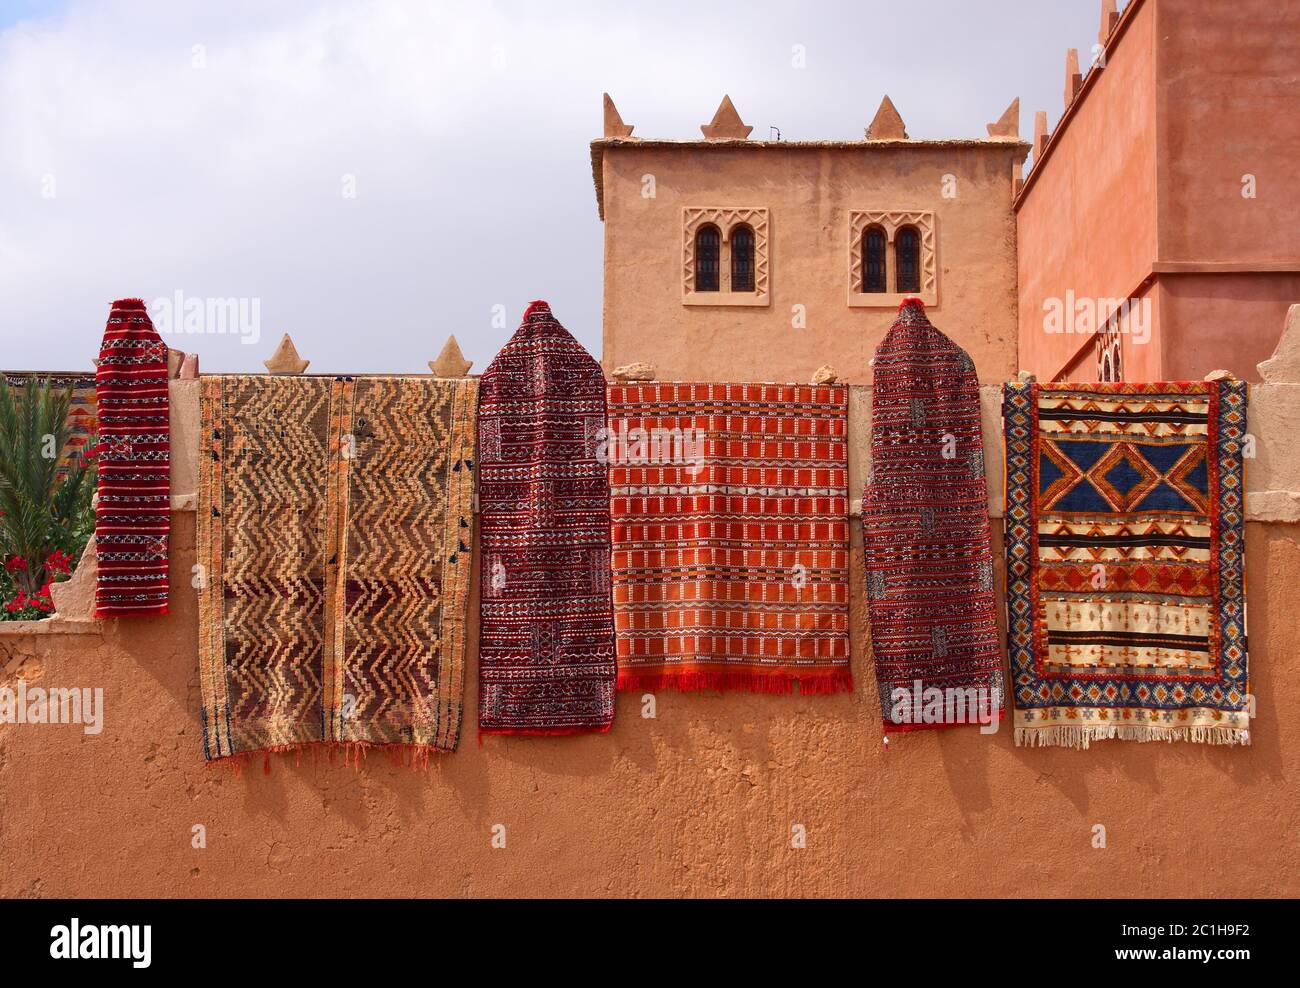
(542, 732)
(834, 681)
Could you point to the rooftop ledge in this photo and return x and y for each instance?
(600, 144)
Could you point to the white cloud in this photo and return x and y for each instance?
(466, 128)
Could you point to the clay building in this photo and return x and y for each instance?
(744, 260)
(1168, 184)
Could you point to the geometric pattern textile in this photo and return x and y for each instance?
(546, 630)
(334, 544)
(925, 532)
(1125, 542)
(731, 537)
(82, 424)
(133, 511)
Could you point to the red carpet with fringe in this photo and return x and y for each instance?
(731, 541)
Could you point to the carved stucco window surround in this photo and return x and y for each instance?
(891, 221)
(727, 219)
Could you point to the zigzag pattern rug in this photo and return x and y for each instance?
(730, 531)
(335, 532)
(1125, 541)
(133, 510)
(546, 638)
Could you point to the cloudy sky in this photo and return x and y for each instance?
(377, 174)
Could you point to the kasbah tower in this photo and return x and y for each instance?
(1153, 235)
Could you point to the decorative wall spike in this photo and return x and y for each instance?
(190, 367)
(174, 360)
(1073, 77)
(614, 125)
(1109, 19)
(887, 124)
(451, 362)
(1040, 135)
(1007, 126)
(726, 124)
(285, 360)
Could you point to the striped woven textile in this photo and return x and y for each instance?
(82, 422)
(334, 535)
(1125, 542)
(133, 511)
(546, 637)
(730, 530)
(925, 529)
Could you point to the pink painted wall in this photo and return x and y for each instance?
(1227, 321)
(1087, 223)
(1143, 187)
(1229, 92)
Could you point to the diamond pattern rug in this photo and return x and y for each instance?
(1125, 541)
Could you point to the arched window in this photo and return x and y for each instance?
(742, 258)
(873, 260)
(907, 259)
(708, 248)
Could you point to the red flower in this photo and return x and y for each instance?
(16, 564)
(17, 604)
(58, 562)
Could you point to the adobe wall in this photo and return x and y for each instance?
(809, 192)
(1228, 91)
(1087, 223)
(699, 800)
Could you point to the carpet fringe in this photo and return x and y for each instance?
(782, 684)
(414, 756)
(1080, 736)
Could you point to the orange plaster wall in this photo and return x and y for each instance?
(698, 801)
(809, 192)
(1088, 222)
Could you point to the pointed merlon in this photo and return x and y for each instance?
(614, 125)
(1109, 19)
(451, 362)
(190, 367)
(1007, 125)
(887, 124)
(1040, 135)
(285, 360)
(1073, 77)
(726, 124)
(174, 360)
